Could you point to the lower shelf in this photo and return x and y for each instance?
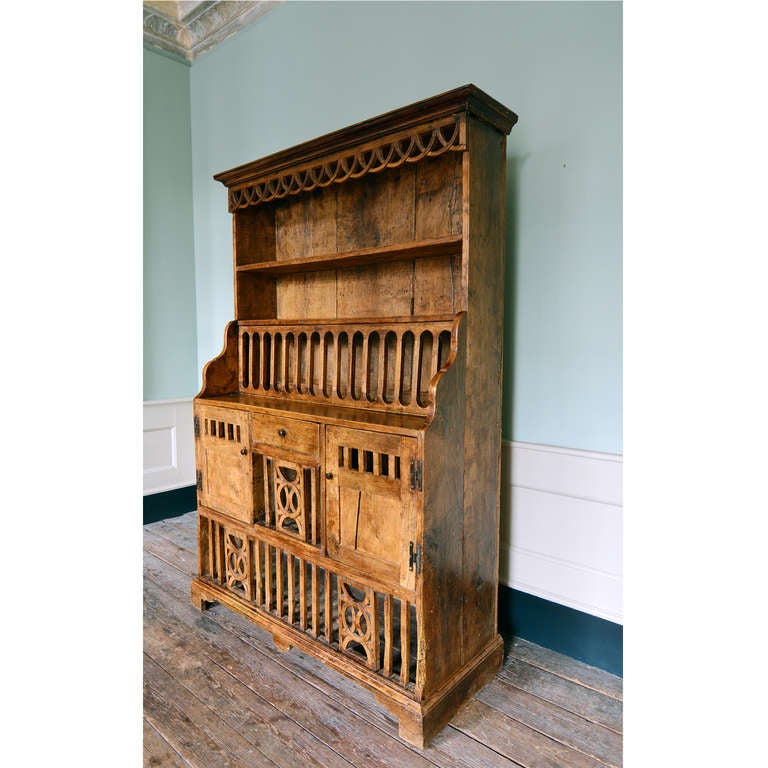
(364, 625)
(358, 628)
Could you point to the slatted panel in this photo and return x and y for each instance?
(387, 367)
(376, 628)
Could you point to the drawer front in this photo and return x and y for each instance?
(288, 434)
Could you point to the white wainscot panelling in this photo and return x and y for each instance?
(169, 445)
(561, 526)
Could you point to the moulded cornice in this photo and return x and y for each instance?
(186, 29)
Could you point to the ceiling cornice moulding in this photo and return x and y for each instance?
(186, 29)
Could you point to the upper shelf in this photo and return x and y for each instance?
(439, 246)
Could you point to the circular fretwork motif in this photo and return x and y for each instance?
(236, 561)
(356, 621)
(288, 500)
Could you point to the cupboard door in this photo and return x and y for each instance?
(370, 507)
(225, 480)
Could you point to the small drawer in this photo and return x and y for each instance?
(289, 434)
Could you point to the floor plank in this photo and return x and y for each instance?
(281, 739)
(334, 725)
(564, 666)
(451, 749)
(158, 753)
(189, 728)
(587, 703)
(516, 741)
(559, 724)
(264, 707)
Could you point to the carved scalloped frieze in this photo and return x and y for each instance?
(390, 152)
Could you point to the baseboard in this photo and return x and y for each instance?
(582, 636)
(160, 506)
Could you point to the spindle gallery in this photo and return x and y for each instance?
(348, 435)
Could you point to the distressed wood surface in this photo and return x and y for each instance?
(367, 447)
(220, 693)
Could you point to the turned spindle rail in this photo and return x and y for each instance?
(380, 365)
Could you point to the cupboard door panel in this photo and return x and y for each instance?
(226, 480)
(370, 507)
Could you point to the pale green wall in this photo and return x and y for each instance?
(305, 69)
(170, 355)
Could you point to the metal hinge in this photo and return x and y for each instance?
(416, 470)
(199, 480)
(414, 557)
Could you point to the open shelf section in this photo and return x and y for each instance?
(440, 246)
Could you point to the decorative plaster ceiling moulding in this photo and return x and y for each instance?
(187, 29)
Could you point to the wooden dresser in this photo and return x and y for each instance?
(348, 436)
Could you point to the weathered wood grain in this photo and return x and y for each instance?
(516, 741)
(158, 753)
(451, 749)
(565, 666)
(331, 723)
(191, 728)
(582, 701)
(457, 746)
(282, 740)
(554, 721)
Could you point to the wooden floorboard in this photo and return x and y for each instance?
(218, 693)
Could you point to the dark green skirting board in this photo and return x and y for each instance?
(595, 641)
(587, 638)
(159, 506)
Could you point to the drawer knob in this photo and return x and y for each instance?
(243, 451)
(281, 432)
(329, 475)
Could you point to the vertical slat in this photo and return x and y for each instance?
(328, 616)
(398, 393)
(220, 555)
(212, 549)
(435, 351)
(350, 364)
(299, 386)
(272, 377)
(315, 599)
(267, 498)
(264, 361)
(388, 635)
(259, 575)
(302, 594)
(267, 577)
(414, 399)
(375, 640)
(249, 586)
(366, 369)
(324, 383)
(287, 383)
(380, 376)
(376, 463)
(312, 490)
(255, 360)
(242, 360)
(279, 581)
(202, 549)
(337, 372)
(291, 578)
(405, 641)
